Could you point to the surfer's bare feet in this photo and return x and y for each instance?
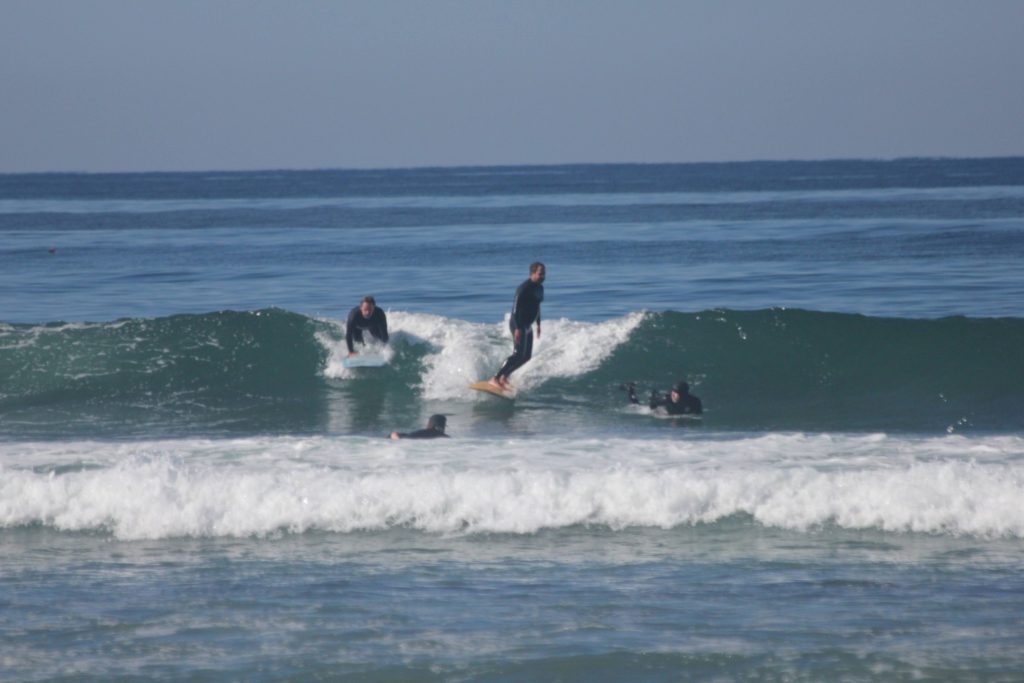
(498, 382)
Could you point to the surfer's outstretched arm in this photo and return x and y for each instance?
(352, 333)
(630, 389)
(657, 400)
(379, 325)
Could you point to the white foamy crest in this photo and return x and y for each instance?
(462, 352)
(950, 485)
(572, 348)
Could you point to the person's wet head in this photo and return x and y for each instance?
(367, 305)
(538, 272)
(680, 389)
(437, 423)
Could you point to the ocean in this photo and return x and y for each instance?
(194, 487)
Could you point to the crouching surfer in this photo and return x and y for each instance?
(678, 401)
(366, 316)
(435, 429)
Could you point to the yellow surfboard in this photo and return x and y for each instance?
(486, 386)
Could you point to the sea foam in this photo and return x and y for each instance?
(198, 488)
(462, 352)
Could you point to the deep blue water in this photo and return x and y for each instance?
(193, 487)
(906, 238)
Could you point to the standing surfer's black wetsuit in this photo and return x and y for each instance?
(525, 312)
(376, 325)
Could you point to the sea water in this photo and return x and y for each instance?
(192, 486)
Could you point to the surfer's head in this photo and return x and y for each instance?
(437, 422)
(681, 388)
(367, 305)
(537, 271)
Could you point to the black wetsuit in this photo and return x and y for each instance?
(688, 404)
(428, 433)
(525, 312)
(376, 325)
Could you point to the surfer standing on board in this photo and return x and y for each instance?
(365, 316)
(525, 312)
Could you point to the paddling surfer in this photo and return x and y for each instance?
(678, 401)
(525, 312)
(435, 429)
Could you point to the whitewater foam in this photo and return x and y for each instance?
(337, 352)
(948, 485)
(462, 352)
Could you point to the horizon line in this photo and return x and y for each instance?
(441, 167)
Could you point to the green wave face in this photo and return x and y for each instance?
(794, 369)
(264, 371)
(215, 369)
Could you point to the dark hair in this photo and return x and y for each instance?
(681, 387)
(535, 266)
(437, 422)
(368, 300)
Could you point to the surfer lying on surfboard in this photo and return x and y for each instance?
(525, 312)
(365, 316)
(435, 429)
(678, 401)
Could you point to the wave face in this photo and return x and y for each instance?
(218, 369)
(793, 369)
(267, 485)
(276, 371)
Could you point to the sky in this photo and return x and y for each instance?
(141, 85)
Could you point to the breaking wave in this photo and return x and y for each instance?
(278, 371)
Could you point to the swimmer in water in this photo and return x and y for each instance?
(678, 401)
(434, 430)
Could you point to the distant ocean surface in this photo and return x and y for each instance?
(193, 487)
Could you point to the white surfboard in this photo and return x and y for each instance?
(364, 360)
